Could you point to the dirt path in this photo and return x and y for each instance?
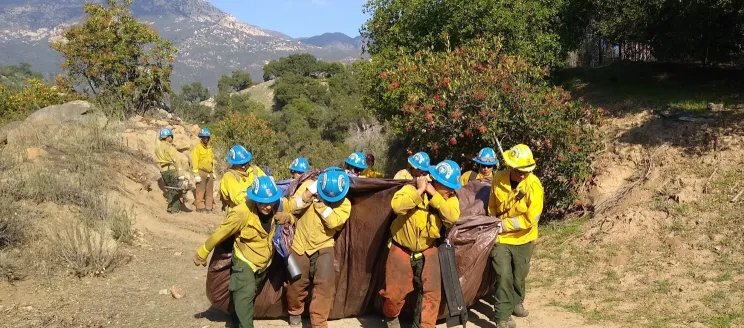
(130, 296)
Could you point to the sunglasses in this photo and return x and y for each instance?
(486, 166)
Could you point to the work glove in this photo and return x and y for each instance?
(198, 259)
(197, 179)
(313, 188)
(282, 218)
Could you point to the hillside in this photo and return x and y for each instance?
(211, 43)
(335, 40)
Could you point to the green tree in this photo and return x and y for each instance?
(14, 77)
(529, 28)
(300, 64)
(194, 92)
(237, 81)
(454, 102)
(122, 62)
(253, 133)
(237, 103)
(292, 86)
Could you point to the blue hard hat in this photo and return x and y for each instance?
(420, 161)
(300, 164)
(165, 133)
(357, 160)
(487, 156)
(238, 155)
(447, 173)
(333, 184)
(204, 132)
(263, 190)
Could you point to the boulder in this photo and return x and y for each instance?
(195, 129)
(61, 113)
(143, 141)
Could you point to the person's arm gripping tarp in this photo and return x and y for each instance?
(295, 204)
(406, 199)
(449, 209)
(334, 217)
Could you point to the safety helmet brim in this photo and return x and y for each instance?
(439, 178)
(361, 167)
(494, 163)
(261, 200)
(418, 166)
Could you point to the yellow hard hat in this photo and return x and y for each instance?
(520, 158)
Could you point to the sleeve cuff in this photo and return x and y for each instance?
(203, 252)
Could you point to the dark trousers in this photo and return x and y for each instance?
(244, 287)
(511, 264)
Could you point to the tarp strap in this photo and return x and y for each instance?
(458, 311)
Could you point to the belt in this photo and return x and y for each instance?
(414, 255)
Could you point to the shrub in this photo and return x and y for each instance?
(14, 227)
(251, 132)
(292, 86)
(16, 105)
(453, 103)
(86, 250)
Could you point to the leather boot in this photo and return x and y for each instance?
(295, 320)
(520, 311)
(392, 322)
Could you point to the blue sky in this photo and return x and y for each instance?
(298, 18)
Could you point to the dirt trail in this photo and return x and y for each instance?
(130, 296)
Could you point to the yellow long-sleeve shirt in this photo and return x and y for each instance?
(252, 243)
(403, 175)
(371, 173)
(168, 157)
(478, 176)
(318, 222)
(417, 227)
(519, 224)
(202, 158)
(234, 184)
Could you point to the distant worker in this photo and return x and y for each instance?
(370, 172)
(253, 223)
(413, 260)
(172, 169)
(355, 164)
(323, 210)
(298, 167)
(239, 177)
(202, 160)
(418, 165)
(516, 199)
(486, 161)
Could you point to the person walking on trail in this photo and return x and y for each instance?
(517, 199)
(323, 210)
(298, 167)
(172, 169)
(253, 224)
(370, 171)
(486, 161)
(413, 261)
(202, 160)
(238, 178)
(355, 164)
(418, 165)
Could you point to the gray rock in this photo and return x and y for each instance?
(61, 113)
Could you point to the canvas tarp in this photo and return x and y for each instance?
(361, 250)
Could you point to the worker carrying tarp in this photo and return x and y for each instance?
(360, 250)
(517, 199)
(252, 223)
(323, 209)
(238, 177)
(486, 161)
(355, 164)
(172, 169)
(202, 162)
(418, 165)
(412, 264)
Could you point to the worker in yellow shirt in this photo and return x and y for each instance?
(253, 224)
(323, 210)
(355, 164)
(202, 160)
(370, 171)
(418, 165)
(517, 199)
(299, 166)
(413, 261)
(239, 177)
(172, 169)
(486, 161)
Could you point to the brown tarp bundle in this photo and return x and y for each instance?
(361, 251)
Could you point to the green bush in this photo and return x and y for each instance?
(34, 95)
(292, 86)
(237, 81)
(452, 103)
(251, 132)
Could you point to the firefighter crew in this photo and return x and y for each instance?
(355, 164)
(202, 160)
(418, 165)
(239, 177)
(323, 210)
(253, 224)
(413, 261)
(370, 171)
(517, 199)
(486, 161)
(299, 166)
(172, 169)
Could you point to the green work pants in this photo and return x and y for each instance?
(170, 178)
(511, 264)
(245, 285)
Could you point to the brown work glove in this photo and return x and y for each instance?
(282, 218)
(199, 260)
